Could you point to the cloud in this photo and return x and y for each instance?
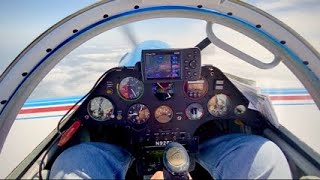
(279, 76)
(301, 16)
(285, 5)
(99, 56)
(76, 74)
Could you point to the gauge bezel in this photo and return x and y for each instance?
(134, 122)
(90, 115)
(203, 111)
(203, 95)
(228, 105)
(172, 114)
(129, 100)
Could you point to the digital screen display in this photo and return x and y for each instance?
(156, 154)
(163, 66)
(196, 85)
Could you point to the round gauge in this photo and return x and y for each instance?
(163, 114)
(130, 88)
(138, 114)
(100, 109)
(240, 109)
(163, 91)
(218, 105)
(196, 89)
(194, 111)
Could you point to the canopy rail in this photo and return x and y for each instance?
(239, 54)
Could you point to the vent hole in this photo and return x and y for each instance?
(136, 7)
(305, 62)
(48, 50)
(75, 30)
(283, 42)
(3, 101)
(105, 16)
(258, 26)
(229, 13)
(24, 74)
(200, 6)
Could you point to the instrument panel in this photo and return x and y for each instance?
(122, 98)
(156, 113)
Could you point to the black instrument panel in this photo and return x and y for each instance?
(152, 107)
(154, 114)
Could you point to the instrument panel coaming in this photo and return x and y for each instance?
(220, 92)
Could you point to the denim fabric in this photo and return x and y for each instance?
(226, 157)
(92, 161)
(240, 156)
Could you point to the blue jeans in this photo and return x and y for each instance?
(227, 157)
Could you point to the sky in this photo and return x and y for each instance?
(22, 21)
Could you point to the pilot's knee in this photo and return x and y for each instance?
(85, 161)
(86, 151)
(82, 155)
(243, 156)
(269, 161)
(75, 155)
(70, 161)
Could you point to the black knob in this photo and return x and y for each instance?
(193, 64)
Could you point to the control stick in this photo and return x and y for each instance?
(176, 162)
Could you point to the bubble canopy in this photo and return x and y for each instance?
(30, 67)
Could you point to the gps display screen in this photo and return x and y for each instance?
(163, 66)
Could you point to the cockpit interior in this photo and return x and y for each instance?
(160, 104)
(167, 97)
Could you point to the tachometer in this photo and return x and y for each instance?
(194, 111)
(163, 114)
(100, 109)
(218, 105)
(163, 91)
(138, 114)
(130, 88)
(196, 89)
